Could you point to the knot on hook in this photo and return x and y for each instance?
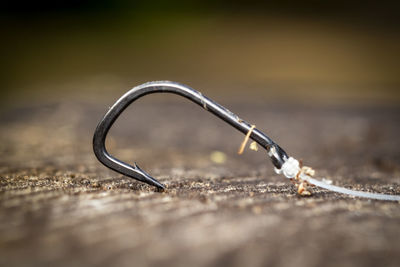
(290, 168)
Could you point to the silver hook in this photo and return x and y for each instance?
(277, 154)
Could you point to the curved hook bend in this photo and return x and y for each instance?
(277, 154)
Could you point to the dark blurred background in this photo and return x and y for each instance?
(321, 78)
(338, 52)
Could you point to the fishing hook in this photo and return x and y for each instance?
(277, 154)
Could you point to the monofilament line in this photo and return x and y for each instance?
(291, 169)
(343, 190)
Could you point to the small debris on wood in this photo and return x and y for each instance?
(253, 146)
(246, 138)
(218, 157)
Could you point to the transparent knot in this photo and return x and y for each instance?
(290, 168)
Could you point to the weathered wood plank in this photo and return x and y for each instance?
(59, 206)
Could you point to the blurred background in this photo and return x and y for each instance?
(334, 52)
(321, 78)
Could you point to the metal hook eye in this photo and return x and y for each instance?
(278, 156)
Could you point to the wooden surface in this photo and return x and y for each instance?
(60, 207)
